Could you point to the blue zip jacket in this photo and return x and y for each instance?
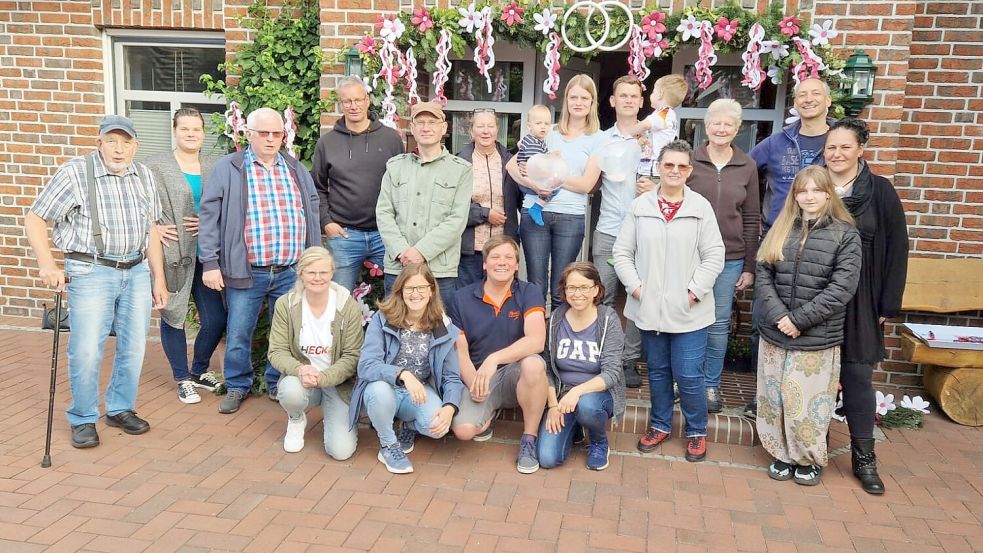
(779, 158)
(379, 352)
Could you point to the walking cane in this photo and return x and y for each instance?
(46, 460)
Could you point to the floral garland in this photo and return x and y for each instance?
(785, 44)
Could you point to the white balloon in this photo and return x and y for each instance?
(620, 160)
(548, 172)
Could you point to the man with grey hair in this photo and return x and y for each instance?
(103, 206)
(349, 161)
(258, 213)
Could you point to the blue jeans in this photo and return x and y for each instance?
(550, 248)
(471, 269)
(339, 439)
(244, 306)
(593, 412)
(719, 331)
(447, 285)
(212, 317)
(384, 403)
(349, 253)
(99, 299)
(678, 357)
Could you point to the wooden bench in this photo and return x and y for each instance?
(954, 377)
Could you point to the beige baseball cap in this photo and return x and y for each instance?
(433, 108)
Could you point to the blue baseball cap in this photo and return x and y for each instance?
(117, 123)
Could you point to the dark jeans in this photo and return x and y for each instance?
(470, 270)
(244, 306)
(212, 318)
(447, 287)
(858, 398)
(678, 357)
(550, 248)
(593, 412)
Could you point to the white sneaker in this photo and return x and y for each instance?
(186, 392)
(294, 440)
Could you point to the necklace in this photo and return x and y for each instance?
(841, 191)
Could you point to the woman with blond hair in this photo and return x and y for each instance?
(552, 246)
(808, 267)
(315, 338)
(409, 368)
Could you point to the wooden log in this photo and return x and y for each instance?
(943, 285)
(958, 392)
(917, 351)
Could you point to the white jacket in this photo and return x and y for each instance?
(668, 260)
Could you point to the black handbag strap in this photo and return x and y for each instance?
(90, 181)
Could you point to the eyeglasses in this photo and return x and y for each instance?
(353, 102)
(322, 274)
(682, 167)
(267, 134)
(416, 289)
(578, 290)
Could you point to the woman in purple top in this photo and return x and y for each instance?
(583, 358)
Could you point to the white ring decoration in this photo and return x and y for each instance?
(599, 43)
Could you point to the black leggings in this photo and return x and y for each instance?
(858, 398)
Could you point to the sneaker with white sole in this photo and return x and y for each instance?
(395, 460)
(487, 433)
(186, 392)
(293, 441)
(406, 437)
(207, 381)
(597, 455)
(527, 462)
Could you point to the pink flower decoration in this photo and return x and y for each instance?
(789, 26)
(726, 29)
(421, 18)
(652, 24)
(366, 45)
(374, 269)
(512, 14)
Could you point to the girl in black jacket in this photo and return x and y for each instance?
(880, 219)
(808, 266)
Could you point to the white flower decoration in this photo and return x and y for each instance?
(368, 84)
(821, 34)
(915, 404)
(392, 29)
(690, 28)
(471, 18)
(776, 48)
(775, 73)
(885, 403)
(545, 21)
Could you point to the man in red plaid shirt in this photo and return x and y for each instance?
(259, 211)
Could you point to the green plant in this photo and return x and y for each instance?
(279, 67)
(738, 348)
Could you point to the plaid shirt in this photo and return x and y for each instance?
(275, 221)
(128, 205)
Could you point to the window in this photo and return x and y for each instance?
(763, 111)
(155, 76)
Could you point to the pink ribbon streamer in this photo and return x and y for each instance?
(442, 67)
(637, 62)
(551, 62)
(389, 73)
(811, 63)
(235, 125)
(707, 57)
(484, 56)
(410, 73)
(753, 73)
(290, 130)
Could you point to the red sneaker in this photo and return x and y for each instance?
(651, 439)
(696, 449)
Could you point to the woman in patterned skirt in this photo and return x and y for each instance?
(808, 266)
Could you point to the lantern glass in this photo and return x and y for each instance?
(862, 83)
(353, 63)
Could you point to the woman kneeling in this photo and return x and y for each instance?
(808, 267)
(409, 368)
(587, 384)
(314, 342)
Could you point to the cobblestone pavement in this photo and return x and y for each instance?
(201, 481)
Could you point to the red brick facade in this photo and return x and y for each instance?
(927, 115)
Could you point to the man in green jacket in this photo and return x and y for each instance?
(424, 201)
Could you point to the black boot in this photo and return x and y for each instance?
(865, 465)
(632, 378)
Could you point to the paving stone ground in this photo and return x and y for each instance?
(201, 481)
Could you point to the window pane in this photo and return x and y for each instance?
(466, 84)
(727, 84)
(152, 121)
(750, 134)
(170, 68)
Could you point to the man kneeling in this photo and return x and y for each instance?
(503, 325)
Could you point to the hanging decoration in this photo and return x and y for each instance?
(484, 55)
(754, 75)
(235, 125)
(637, 66)
(707, 58)
(290, 130)
(411, 74)
(811, 64)
(391, 28)
(551, 61)
(442, 69)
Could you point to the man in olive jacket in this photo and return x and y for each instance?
(424, 202)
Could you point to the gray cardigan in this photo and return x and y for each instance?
(176, 203)
(612, 344)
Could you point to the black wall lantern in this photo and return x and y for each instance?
(353, 63)
(859, 87)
